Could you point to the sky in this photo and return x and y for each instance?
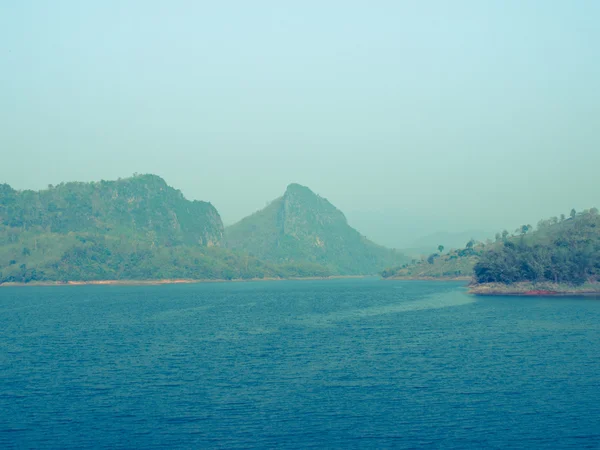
(411, 117)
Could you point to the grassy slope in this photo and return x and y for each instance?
(456, 264)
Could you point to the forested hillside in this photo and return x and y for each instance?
(301, 227)
(142, 208)
(565, 250)
(135, 228)
(561, 250)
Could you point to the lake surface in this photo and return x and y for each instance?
(357, 363)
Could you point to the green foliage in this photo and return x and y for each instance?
(455, 263)
(302, 227)
(141, 208)
(524, 229)
(87, 257)
(133, 229)
(560, 252)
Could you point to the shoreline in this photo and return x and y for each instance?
(167, 281)
(417, 278)
(535, 290)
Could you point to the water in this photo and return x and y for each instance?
(298, 364)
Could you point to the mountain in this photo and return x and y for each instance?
(302, 227)
(137, 228)
(143, 208)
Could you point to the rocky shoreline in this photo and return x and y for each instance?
(535, 289)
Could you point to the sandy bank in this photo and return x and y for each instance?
(165, 281)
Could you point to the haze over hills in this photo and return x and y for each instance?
(451, 239)
(562, 251)
(428, 244)
(400, 227)
(143, 207)
(302, 226)
(141, 228)
(133, 228)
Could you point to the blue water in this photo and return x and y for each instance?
(298, 364)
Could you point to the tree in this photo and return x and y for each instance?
(504, 235)
(568, 255)
(573, 213)
(441, 248)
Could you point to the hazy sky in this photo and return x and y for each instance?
(411, 117)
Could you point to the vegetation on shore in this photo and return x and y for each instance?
(140, 228)
(561, 255)
(560, 251)
(454, 264)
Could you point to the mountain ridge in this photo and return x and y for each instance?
(140, 228)
(303, 226)
(142, 204)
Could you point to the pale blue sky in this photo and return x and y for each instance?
(410, 116)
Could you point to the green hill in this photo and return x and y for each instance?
(142, 208)
(561, 251)
(137, 228)
(301, 227)
(453, 264)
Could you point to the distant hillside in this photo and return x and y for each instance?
(450, 240)
(560, 251)
(143, 208)
(138, 228)
(301, 226)
(453, 264)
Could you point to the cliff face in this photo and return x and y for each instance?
(142, 208)
(304, 216)
(301, 226)
(136, 228)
